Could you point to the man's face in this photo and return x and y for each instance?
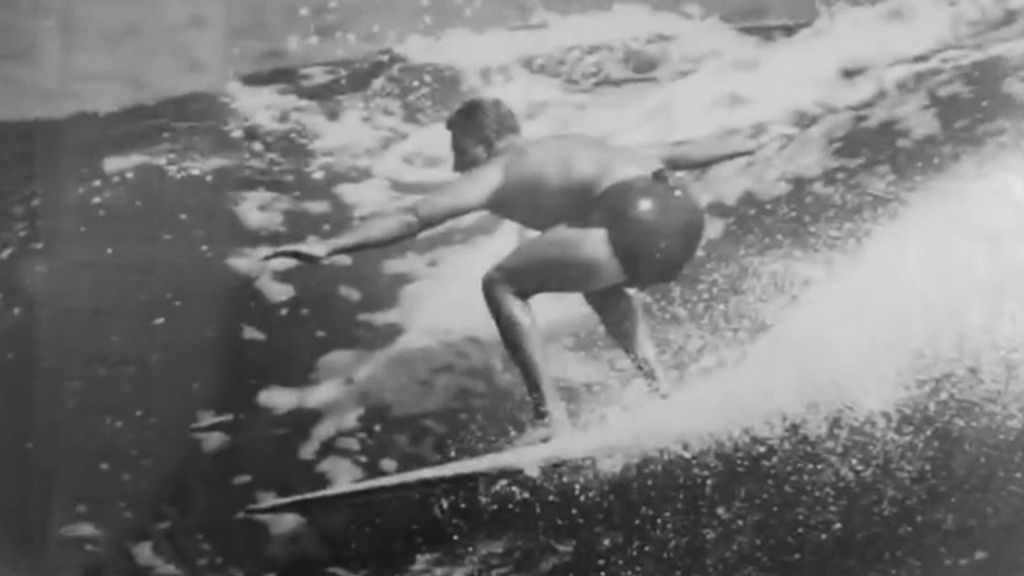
(468, 151)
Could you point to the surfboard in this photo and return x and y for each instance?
(527, 460)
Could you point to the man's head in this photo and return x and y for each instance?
(478, 128)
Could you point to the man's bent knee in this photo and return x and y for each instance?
(497, 281)
(492, 282)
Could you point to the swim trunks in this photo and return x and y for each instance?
(654, 227)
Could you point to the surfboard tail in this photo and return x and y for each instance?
(359, 493)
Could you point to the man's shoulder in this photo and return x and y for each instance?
(565, 160)
(566, 139)
(560, 145)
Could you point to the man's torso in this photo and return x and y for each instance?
(555, 180)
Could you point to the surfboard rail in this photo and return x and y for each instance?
(522, 461)
(413, 481)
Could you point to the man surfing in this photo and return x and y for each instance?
(608, 217)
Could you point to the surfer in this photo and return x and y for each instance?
(610, 221)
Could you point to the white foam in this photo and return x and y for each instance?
(145, 556)
(265, 106)
(282, 399)
(81, 530)
(253, 333)
(212, 442)
(422, 157)
(274, 290)
(353, 136)
(115, 164)
(264, 211)
(340, 470)
(495, 47)
(261, 210)
(349, 293)
(278, 524)
(369, 196)
(776, 82)
(941, 288)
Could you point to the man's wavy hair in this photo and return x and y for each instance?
(489, 119)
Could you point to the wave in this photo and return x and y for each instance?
(817, 80)
(929, 487)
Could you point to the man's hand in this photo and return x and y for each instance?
(773, 135)
(304, 255)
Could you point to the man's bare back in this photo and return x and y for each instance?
(609, 221)
(555, 180)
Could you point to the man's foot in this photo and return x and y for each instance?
(558, 420)
(538, 435)
(544, 432)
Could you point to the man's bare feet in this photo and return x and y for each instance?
(538, 435)
(557, 424)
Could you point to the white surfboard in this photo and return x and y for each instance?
(527, 460)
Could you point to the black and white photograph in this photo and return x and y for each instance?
(511, 287)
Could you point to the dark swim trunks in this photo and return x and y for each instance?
(655, 228)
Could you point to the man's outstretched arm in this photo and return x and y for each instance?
(696, 154)
(469, 193)
(710, 150)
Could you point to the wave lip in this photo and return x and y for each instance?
(932, 487)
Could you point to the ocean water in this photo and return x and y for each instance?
(58, 58)
(845, 349)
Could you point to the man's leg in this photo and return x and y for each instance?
(623, 319)
(563, 259)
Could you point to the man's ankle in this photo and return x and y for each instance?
(558, 421)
